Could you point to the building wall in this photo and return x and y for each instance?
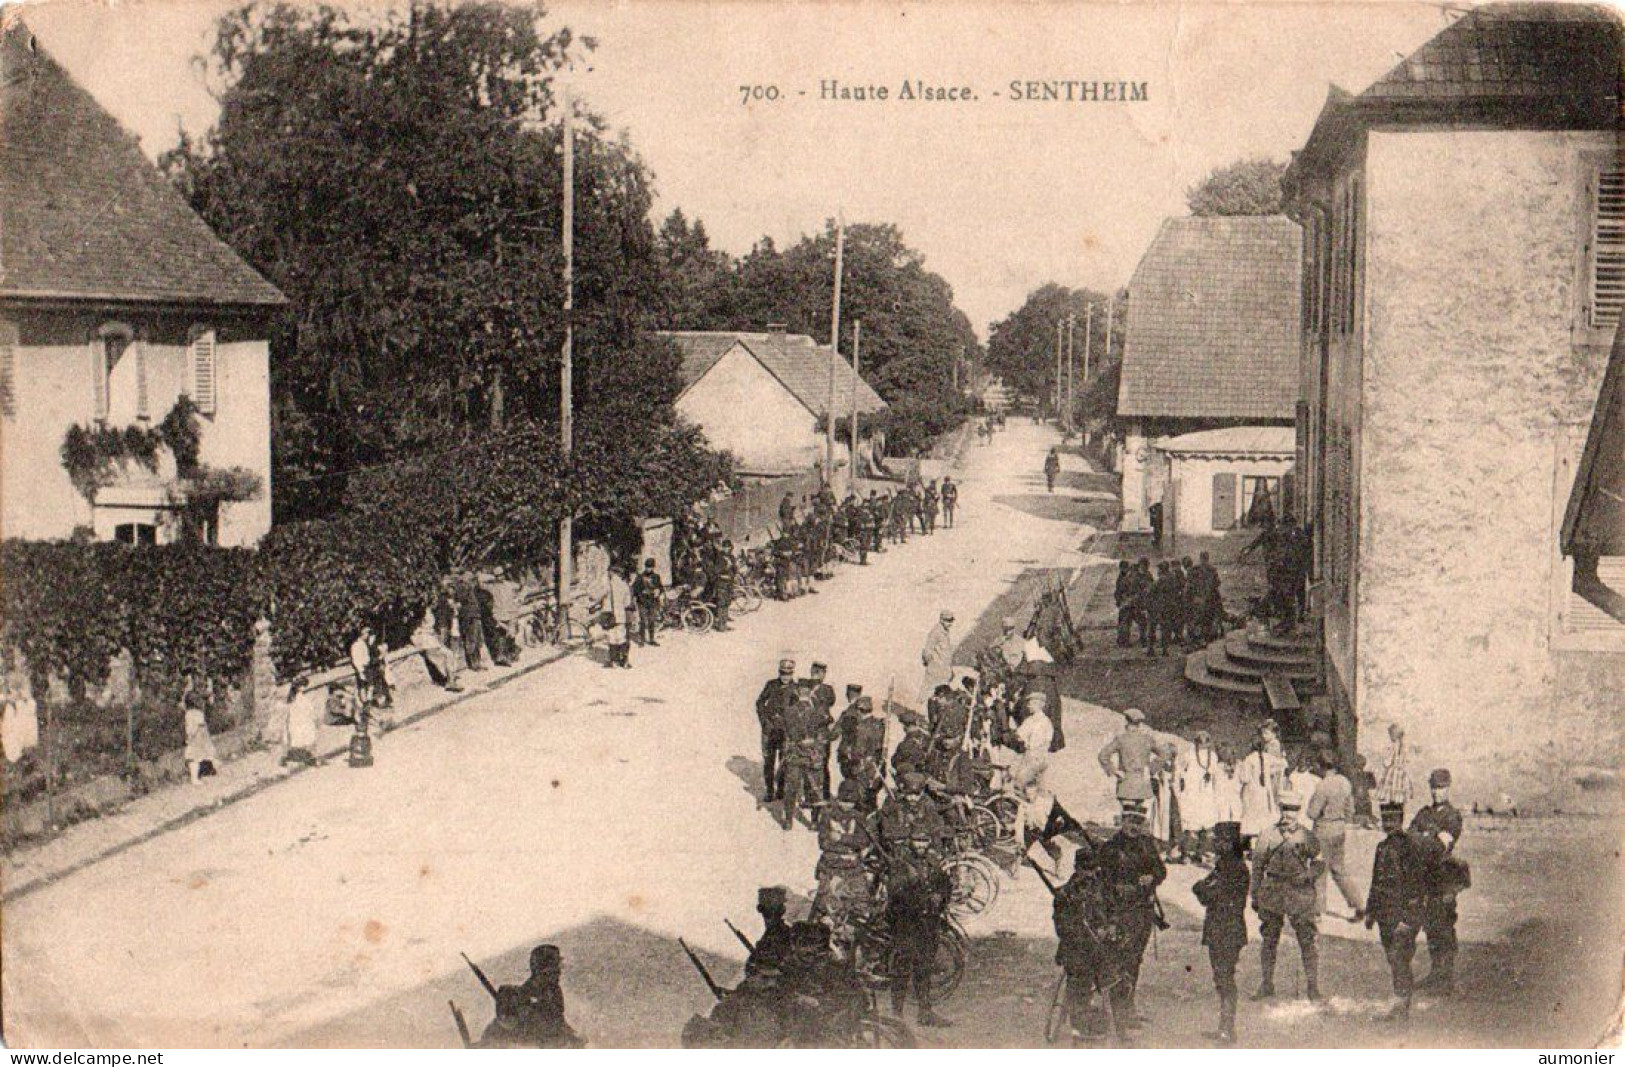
(1472, 380)
(743, 409)
(1194, 477)
(54, 390)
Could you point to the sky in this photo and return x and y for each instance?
(1000, 195)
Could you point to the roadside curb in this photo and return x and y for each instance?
(45, 881)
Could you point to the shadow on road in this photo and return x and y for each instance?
(1058, 507)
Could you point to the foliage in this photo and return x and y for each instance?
(1246, 187)
(92, 454)
(183, 611)
(179, 430)
(398, 176)
(1021, 346)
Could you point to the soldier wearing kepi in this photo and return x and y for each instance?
(918, 891)
(1398, 899)
(1448, 876)
(773, 947)
(862, 751)
(843, 884)
(1286, 860)
(806, 751)
(1083, 951)
(772, 707)
(1223, 892)
(1130, 871)
(532, 1015)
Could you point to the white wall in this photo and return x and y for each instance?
(54, 389)
(1194, 476)
(744, 410)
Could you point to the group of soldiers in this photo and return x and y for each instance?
(1181, 602)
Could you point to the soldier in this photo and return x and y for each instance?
(773, 947)
(1123, 595)
(1397, 902)
(862, 751)
(1083, 950)
(913, 750)
(1130, 872)
(908, 811)
(1052, 468)
(843, 883)
(953, 775)
(1286, 864)
(806, 747)
(1448, 876)
(823, 698)
(928, 508)
(1132, 757)
(950, 501)
(649, 592)
(826, 998)
(1212, 610)
(918, 891)
(952, 717)
(1223, 892)
(532, 1015)
(937, 656)
(787, 512)
(724, 574)
(772, 707)
(749, 1016)
(875, 523)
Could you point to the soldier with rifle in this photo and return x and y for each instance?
(1130, 871)
(918, 891)
(773, 947)
(1084, 950)
(826, 999)
(806, 748)
(862, 749)
(772, 708)
(1223, 892)
(529, 1015)
(751, 1015)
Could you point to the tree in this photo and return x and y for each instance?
(399, 179)
(1021, 346)
(1246, 187)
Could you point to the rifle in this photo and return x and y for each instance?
(743, 940)
(484, 981)
(710, 983)
(462, 1024)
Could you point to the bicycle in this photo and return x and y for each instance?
(685, 611)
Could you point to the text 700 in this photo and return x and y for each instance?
(748, 93)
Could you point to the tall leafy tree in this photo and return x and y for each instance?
(1021, 346)
(1245, 187)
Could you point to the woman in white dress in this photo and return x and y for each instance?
(1196, 786)
(1261, 775)
(1227, 787)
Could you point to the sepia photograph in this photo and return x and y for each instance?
(840, 524)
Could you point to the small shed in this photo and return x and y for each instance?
(1215, 479)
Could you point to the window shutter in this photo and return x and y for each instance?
(203, 371)
(1224, 501)
(1584, 617)
(8, 368)
(1608, 249)
(98, 374)
(141, 407)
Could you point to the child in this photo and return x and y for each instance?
(1223, 892)
(199, 752)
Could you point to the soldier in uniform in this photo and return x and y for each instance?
(752, 1015)
(917, 895)
(724, 574)
(914, 749)
(1052, 467)
(532, 1015)
(1223, 892)
(1084, 948)
(772, 707)
(950, 501)
(862, 750)
(875, 523)
(909, 811)
(1398, 900)
(649, 593)
(843, 839)
(773, 947)
(1441, 821)
(823, 698)
(928, 508)
(1286, 866)
(1130, 871)
(827, 1000)
(806, 748)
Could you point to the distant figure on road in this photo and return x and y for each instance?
(1052, 467)
(950, 501)
(614, 607)
(937, 657)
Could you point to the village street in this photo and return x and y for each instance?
(608, 811)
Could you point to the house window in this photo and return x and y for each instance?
(8, 367)
(1605, 262)
(135, 533)
(118, 370)
(1261, 496)
(203, 369)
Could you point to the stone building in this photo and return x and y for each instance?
(1210, 342)
(115, 301)
(1463, 274)
(762, 396)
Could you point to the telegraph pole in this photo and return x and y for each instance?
(566, 365)
(1071, 321)
(1111, 308)
(1058, 327)
(857, 351)
(835, 353)
(1088, 329)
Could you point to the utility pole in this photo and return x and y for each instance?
(1088, 329)
(1058, 328)
(835, 352)
(566, 365)
(1111, 308)
(857, 352)
(1071, 321)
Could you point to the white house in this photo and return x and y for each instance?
(1215, 478)
(761, 396)
(116, 300)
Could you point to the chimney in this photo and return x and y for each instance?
(777, 330)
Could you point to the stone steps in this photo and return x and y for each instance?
(1221, 663)
(1198, 674)
(1241, 650)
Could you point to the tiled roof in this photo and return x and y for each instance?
(1212, 326)
(800, 364)
(1234, 441)
(1596, 510)
(1513, 54)
(86, 215)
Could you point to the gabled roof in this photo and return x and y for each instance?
(1595, 519)
(1504, 66)
(801, 365)
(86, 216)
(1212, 326)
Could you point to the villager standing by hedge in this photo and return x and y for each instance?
(613, 608)
(201, 758)
(469, 620)
(302, 713)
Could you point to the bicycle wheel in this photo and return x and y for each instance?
(1008, 812)
(984, 825)
(672, 617)
(883, 1031)
(948, 969)
(1056, 1018)
(746, 600)
(973, 889)
(697, 618)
